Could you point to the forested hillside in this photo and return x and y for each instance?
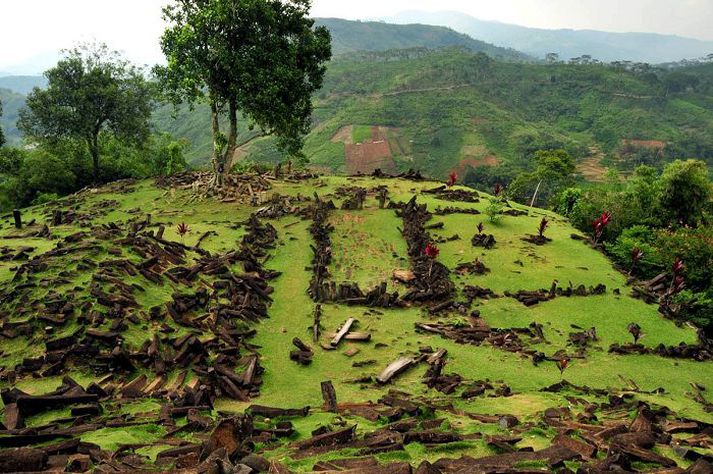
(11, 104)
(450, 109)
(351, 36)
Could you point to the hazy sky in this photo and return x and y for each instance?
(34, 29)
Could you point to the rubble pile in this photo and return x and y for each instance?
(444, 193)
(432, 279)
(234, 188)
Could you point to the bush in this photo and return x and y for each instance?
(249, 166)
(643, 238)
(33, 176)
(564, 202)
(685, 192)
(696, 308)
(494, 211)
(695, 248)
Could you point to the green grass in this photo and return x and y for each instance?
(361, 133)
(367, 246)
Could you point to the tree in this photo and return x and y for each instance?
(91, 91)
(553, 172)
(685, 191)
(260, 58)
(552, 58)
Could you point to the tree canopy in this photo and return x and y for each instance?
(92, 90)
(685, 191)
(261, 58)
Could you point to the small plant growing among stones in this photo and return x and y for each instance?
(432, 252)
(481, 239)
(182, 230)
(544, 224)
(635, 331)
(539, 238)
(452, 179)
(562, 365)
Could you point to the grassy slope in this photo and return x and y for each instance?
(447, 103)
(367, 247)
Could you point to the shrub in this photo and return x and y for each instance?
(693, 246)
(564, 202)
(494, 211)
(696, 308)
(685, 192)
(644, 239)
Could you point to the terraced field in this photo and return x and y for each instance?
(145, 329)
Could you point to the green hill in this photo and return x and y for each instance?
(12, 102)
(153, 335)
(352, 36)
(449, 109)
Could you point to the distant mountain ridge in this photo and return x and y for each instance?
(640, 47)
(22, 84)
(352, 36)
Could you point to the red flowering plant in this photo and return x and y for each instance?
(432, 252)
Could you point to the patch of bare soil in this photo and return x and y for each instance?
(373, 154)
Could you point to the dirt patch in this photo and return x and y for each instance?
(591, 168)
(344, 135)
(462, 168)
(344, 218)
(649, 144)
(371, 155)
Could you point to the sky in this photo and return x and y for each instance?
(33, 31)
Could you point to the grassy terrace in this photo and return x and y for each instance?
(367, 246)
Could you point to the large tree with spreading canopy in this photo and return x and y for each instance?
(262, 59)
(91, 91)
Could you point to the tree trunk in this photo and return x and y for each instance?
(217, 165)
(232, 136)
(223, 159)
(94, 151)
(534, 196)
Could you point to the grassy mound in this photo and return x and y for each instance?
(153, 337)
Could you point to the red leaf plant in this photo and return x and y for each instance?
(636, 255)
(431, 251)
(452, 179)
(544, 224)
(600, 224)
(678, 267)
(562, 364)
(635, 331)
(182, 229)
